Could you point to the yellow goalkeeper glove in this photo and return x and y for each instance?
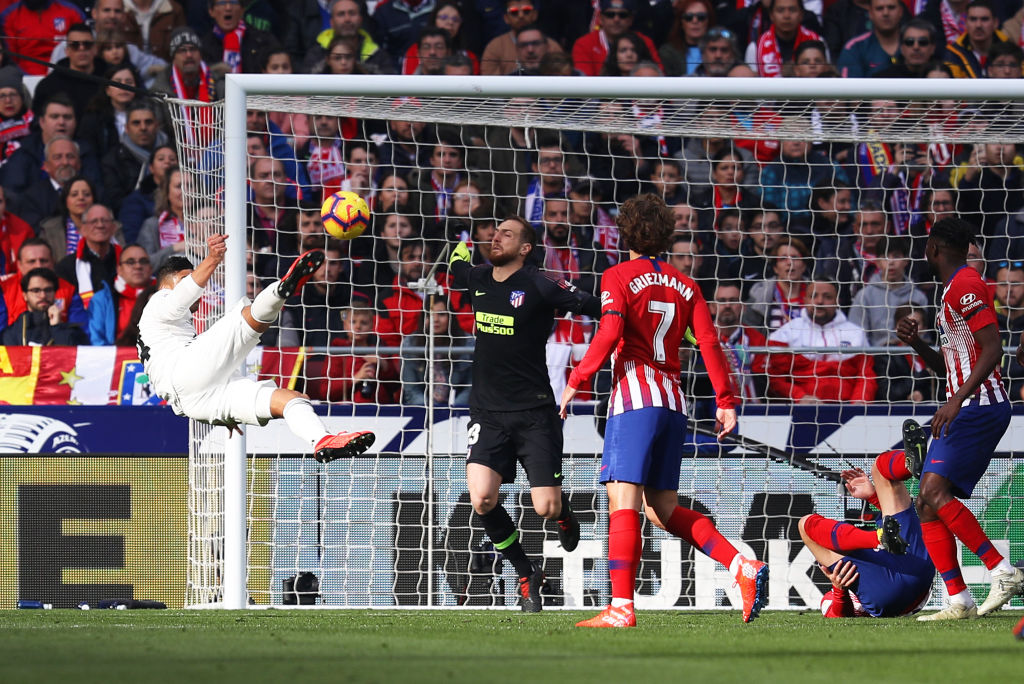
(688, 336)
(460, 253)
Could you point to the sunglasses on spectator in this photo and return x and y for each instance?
(719, 32)
(80, 44)
(923, 41)
(617, 14)
(522, 9)
(695, 16)
(41, 290)
(1010, 264)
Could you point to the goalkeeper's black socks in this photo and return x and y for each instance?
(503, 534)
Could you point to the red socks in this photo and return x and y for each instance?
(941, 547)
(959, 520)
(839, 536)
(699, 531)
(892, 465)
(624, 545)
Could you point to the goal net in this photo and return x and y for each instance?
(780, 188)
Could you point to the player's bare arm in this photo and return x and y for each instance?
(907, 332)
(217, 249)
(989, 357)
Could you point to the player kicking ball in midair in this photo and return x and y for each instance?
(965, 430)
(647, 307)
(199, 375)
(512, 413)
(874, 573)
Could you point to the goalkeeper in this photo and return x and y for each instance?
(878, 573)
(511, 403)
(199, 376)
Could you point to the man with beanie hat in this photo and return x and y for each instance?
(188, 76)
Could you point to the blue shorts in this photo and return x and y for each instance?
(894, 585)
(645, 447)
(963, 455)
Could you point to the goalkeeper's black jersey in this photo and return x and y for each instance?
(514, 319)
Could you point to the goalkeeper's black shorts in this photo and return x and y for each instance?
(497, 439)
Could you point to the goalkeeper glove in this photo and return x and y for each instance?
(688, 336)
(460, 253)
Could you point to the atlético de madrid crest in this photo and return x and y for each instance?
(516, 300)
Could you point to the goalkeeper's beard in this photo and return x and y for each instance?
(502, 258)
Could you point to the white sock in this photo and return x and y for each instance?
(267, 305)
(964, 598)
(619, 602)
(734, 564)
(303, 421)
(1003, 568)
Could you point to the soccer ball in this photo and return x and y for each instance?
(345, 215)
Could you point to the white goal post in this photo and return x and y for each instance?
(699, 107)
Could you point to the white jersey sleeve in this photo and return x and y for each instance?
(164, 329)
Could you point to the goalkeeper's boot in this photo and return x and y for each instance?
(915, 446)
(889, 536)
(529, 591)
(302, 269)
(343, 445)
(753, 580)
(612, 617)
(1005, 585)
(1018, 630)
(569, 532)
(954, 611)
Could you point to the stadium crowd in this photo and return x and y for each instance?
(794, 243)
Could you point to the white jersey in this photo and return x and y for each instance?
(164, 330)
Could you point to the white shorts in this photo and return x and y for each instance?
(208, 384)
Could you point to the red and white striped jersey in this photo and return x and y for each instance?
(646, 307)
(966, 308)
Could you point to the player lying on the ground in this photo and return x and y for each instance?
(874, 573)
(200, 376)
(966, 429)
(647, 307)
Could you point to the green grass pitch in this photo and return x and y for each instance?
(300, 647)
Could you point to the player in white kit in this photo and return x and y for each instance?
(200, 376)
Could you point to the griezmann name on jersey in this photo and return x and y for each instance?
(646, 308)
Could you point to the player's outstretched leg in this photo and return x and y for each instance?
(302, 420)
(915, 446)
(343, 445)
(1018, 630)
(698, 530)
(301, 270)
